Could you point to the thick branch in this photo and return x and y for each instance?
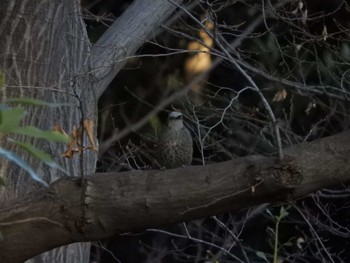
(115, 203)
(135, 26)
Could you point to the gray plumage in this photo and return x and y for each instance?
(175, 143)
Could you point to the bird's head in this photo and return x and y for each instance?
(175, 120)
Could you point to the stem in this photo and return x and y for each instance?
(275, 252)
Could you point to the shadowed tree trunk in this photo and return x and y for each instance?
(45, 54)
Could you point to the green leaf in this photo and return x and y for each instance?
(262, 255)
(10, 118)
(283, 212)
(270, 230)
(269, 212)
(41, 155)
(16, 159)
(36, 102)
(52, 136)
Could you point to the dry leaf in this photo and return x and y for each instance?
(304, 17)
(89, 128)
(324, 33)
(300, 242)
(309, 107)
(298, 47)
(300, 5)
(280, 95)
(58, 128)
(75, 145)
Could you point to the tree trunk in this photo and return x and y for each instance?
(46, 54)
(45, 51)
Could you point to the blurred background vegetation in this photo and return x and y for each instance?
(298, 55)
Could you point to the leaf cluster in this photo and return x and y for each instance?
(10, 124)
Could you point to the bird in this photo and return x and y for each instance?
(175, 147)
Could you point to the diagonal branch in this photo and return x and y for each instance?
(115, 203)
(133, 28)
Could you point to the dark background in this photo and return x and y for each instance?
(306, 43)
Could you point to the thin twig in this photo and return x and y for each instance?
(189, 237)
(229, 57)
(314, 232)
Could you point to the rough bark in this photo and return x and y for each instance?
(114, 203)
(45, 54)
(37, 63)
